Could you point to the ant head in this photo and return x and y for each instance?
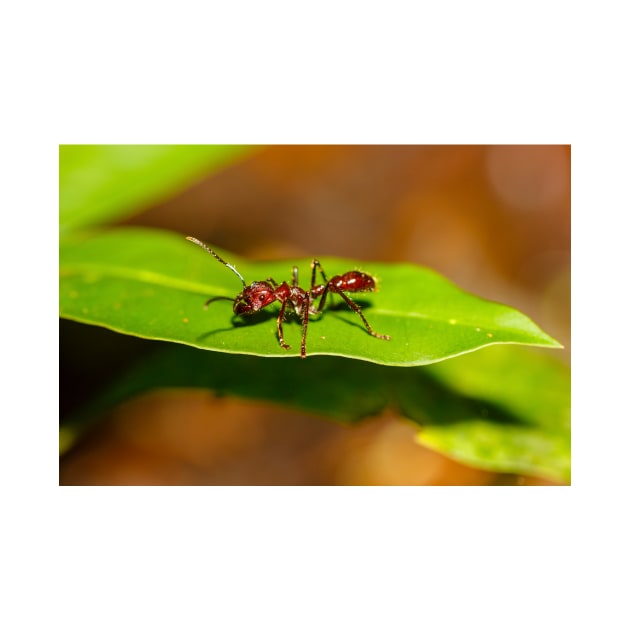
(254, 297)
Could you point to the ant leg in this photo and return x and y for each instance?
(280, 335)
(314, 265)
(357, 309)
(295, 276)
(323, 300)
(219, 297)
(305, 325)
(272, 282)
(321, 289)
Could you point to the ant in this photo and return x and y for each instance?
(260, 294)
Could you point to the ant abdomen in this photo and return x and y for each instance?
(353, 281)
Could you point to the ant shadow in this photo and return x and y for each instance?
(237, 322)
(291, 317)
(342, 307)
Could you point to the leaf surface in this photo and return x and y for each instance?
(154, 284)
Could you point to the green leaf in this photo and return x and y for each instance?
(154, 284)
(503, 409)
(98, 183)
(527, 385)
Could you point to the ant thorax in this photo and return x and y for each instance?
(299, 298)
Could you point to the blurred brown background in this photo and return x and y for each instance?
(493, 219)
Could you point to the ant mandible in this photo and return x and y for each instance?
(260, 294)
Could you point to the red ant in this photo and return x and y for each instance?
(258, 295)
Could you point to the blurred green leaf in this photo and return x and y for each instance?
(99, 183)
(527, 385)
(153, 284)
(486, 409)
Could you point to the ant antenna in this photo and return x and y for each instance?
(192, 239)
